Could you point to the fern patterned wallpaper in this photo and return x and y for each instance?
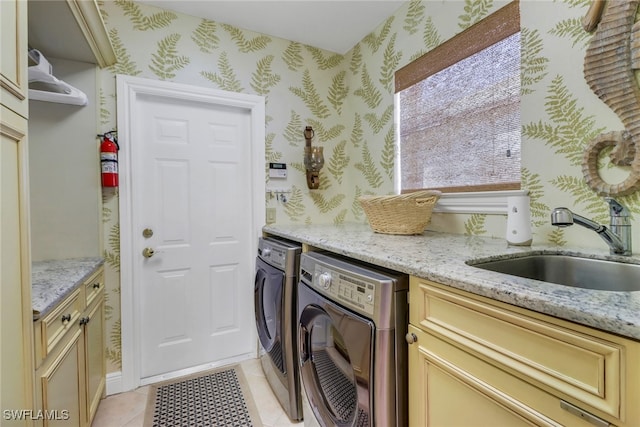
(349, 102)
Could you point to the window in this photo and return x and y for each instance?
(459, 110)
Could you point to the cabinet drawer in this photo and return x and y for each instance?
(93, 286)
(54, 325)
(489, 395)
(559, 360)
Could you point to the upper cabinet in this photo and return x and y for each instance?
(13, 68)
(69, 29)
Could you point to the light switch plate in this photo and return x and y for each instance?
(271, 215)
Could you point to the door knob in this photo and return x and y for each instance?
(148, 252)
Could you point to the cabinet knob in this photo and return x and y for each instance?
(96, 285)
(66, 318)
(411, 338)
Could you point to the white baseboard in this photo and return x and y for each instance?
(114, 383)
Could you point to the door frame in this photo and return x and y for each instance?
(128, 90)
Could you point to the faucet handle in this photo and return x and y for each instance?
(615, 208)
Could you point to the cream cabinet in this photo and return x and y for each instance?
(59, 391)
(476, 361)
(70, 357)
(13, 66)
(16, 368)
(94, 353)
(18, 387)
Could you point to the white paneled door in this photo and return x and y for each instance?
(193, 232)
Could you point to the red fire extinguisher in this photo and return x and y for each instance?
(109, 160)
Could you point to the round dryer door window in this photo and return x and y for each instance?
(268, 300)
(336, 361)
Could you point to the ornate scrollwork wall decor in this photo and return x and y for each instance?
(612, 57)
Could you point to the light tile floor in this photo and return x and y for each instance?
(127, 409)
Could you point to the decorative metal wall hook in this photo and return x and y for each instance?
(313, 159)
(279, 193)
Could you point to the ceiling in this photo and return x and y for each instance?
(334, 25)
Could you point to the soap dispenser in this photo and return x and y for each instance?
(518, 221)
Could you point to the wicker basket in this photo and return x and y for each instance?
(408, 213)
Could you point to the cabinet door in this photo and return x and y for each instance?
(13, 57)
(565, 371)
(16, 370)
(62, 388)
(444, 393)
(95, 367)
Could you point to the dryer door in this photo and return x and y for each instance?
(268, 301)
(336, 360)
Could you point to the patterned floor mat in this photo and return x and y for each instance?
(219, 398)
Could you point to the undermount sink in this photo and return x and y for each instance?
(569, 270)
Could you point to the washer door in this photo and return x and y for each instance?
(335, 357)
(268, 301)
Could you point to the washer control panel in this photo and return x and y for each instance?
(371, 291)
(344, 288)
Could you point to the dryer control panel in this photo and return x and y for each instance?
(280, 254)
(274, 255)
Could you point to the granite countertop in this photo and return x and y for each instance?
(441, 257)
(52, 281)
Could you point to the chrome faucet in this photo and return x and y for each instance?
(618, 237)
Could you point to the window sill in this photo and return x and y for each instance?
(485, 202)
